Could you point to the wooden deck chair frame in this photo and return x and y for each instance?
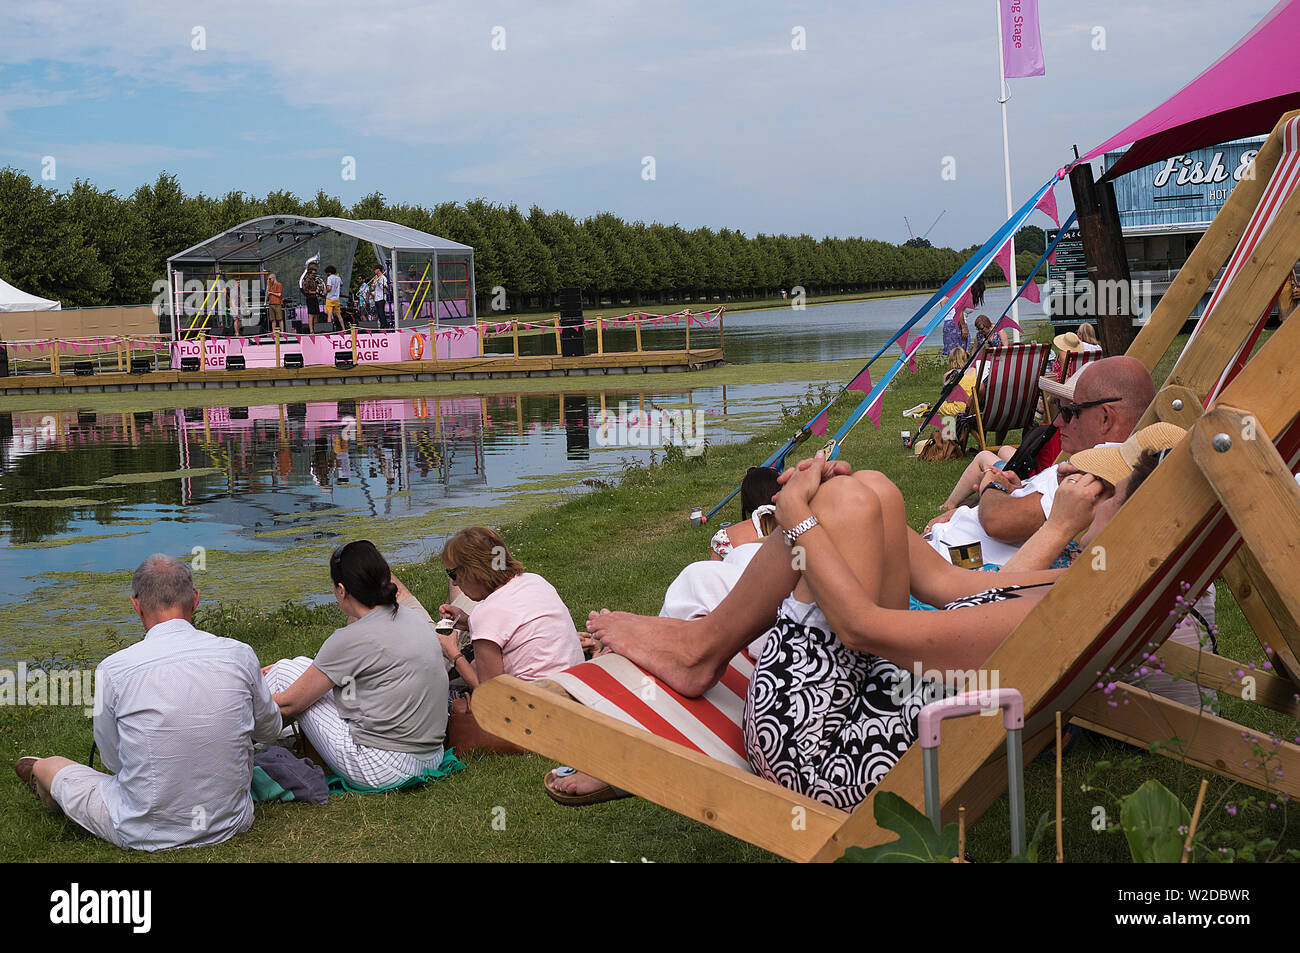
(1052, 656)
(992, 353)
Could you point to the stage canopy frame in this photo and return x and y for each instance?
(430, 279)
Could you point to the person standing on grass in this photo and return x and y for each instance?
(175, 721)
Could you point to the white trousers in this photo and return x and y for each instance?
(361, 765)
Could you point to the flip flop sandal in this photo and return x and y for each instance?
(606, 793)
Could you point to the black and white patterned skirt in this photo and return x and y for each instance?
(822, 719)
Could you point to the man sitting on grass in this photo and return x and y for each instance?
(176, 716)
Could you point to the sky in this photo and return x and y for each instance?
(826, 118)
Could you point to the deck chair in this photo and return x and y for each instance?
(1224, 495)
(1074, 361)
(1011, 394)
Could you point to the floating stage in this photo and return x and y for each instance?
(487, 367)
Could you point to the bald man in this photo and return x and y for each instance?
(1108, 399)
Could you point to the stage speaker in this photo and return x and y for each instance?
(293, 360)
(342, 358)
(573, 337)
(189, 363)
(141, 365)
(235, 362)
(83, 368)
(322, 327)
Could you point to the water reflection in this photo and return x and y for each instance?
(87, 490)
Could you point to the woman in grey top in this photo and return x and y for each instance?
(374, 700)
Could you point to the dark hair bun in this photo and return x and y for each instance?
(364, 573)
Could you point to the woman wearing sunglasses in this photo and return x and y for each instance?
(520, 627)
(373, 702)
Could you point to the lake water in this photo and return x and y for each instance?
(83, 490)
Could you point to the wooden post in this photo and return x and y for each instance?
(720, 313)
(276, 334)
(433, 345)
(119, 355)
(688, 332)
(54, 355)
(479, 328)
(514, 331)
(558, 349)
(203, 357)
(354, 345)
(600, 340)
(638, 335)
(1103, 249)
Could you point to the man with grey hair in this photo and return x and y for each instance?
(176, 716)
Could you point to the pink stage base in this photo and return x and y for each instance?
(381, 347)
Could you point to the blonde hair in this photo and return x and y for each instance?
(478, 553)
(1087, 335)
(957, 358)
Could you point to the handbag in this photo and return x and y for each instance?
(464, 733)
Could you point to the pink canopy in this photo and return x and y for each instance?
(1242, 94)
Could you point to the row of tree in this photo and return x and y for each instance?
(85, 247)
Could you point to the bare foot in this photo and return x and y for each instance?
(671, 649)
(576, 784)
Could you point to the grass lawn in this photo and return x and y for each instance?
(619, 548)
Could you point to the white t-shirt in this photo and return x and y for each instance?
(965, 527)
(333, 285)
(379, 288)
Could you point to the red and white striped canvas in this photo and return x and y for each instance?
(1011, 397)
(710, 724)
(1281, 184)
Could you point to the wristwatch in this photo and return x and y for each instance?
(794, 533)
(994, 485)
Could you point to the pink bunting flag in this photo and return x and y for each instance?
(873, 412)
(862, 382)
(958, 394)
(818, 425)
(1052, 258)
(1007, 322)
(909, 351)
(964, 304)
(1047, 204)
(1003, 258)
(1032, 293)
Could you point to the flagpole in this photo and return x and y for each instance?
(1003, 96)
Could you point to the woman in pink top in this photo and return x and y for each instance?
(520, 627)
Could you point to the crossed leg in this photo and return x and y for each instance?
(863, 512)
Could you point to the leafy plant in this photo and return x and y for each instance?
(1155, 823)
(918, 843)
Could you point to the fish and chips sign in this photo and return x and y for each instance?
(1183, 189)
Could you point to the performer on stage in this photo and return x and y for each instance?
(313, 289)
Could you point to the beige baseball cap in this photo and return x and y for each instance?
(1114, 462)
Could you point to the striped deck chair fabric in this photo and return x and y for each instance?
(1281, 184)
(711, 724)
(1076, 361)
(1011, 395)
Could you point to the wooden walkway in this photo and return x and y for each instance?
(488, 367)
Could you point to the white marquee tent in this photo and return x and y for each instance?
(11, 299)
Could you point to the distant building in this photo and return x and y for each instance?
(1164, 209)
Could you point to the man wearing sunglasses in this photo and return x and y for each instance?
(1100, 404)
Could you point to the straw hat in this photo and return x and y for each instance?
(1065, 392)
(1069, 341)
(1114, 462)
